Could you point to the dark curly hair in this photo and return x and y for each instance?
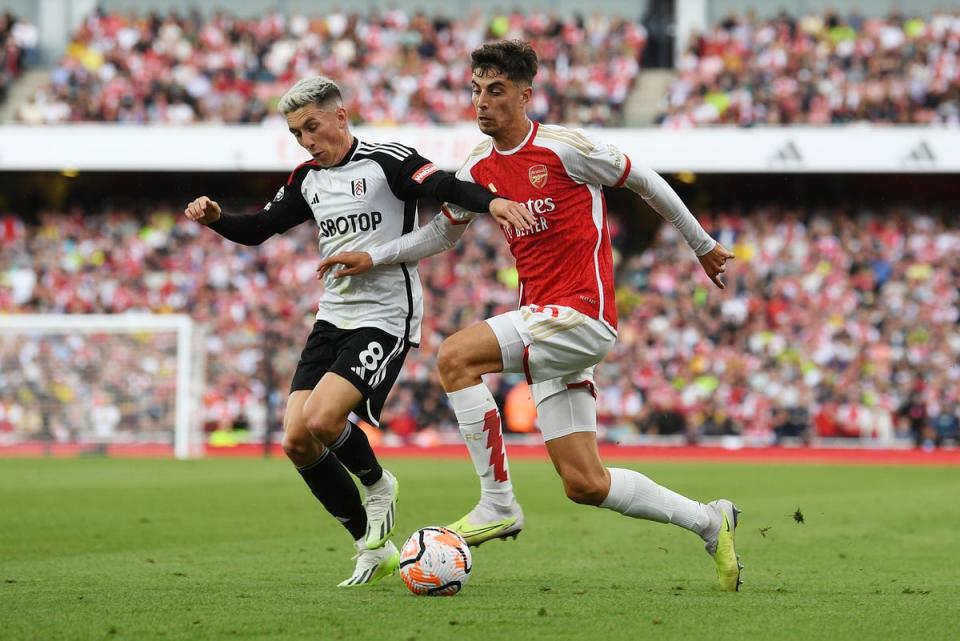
(516, 59)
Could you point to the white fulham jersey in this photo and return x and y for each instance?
(358, 205)
(370, 198)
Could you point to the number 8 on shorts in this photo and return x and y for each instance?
(370, 358)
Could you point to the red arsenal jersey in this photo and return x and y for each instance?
(557, 174)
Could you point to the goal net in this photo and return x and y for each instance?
(97, 382)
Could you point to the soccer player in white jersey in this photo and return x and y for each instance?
(567, 320)
(360, 195)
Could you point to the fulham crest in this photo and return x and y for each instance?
(359, 187)
(538, 176)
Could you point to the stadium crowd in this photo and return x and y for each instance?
(834, 324)
(18, 45)
(819, 69)
(407, 68)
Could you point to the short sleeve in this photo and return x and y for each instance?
(464, 174)
(590, 161)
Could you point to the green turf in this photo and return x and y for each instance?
(130, 549)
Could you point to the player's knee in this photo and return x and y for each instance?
(298, 447)
(456, 369)
(324, 425)
(586, 489)
(451, 361)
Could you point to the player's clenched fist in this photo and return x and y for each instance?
(203, 210)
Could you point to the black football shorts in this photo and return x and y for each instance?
(368, 357)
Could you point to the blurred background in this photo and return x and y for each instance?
(821, 143)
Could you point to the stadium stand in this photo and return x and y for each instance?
(406, 68)
(819, 69)
(837, 324)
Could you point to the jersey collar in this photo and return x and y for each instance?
(534, 125)
(349, 155)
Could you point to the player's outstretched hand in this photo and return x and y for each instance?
(203, 210)
(714, 263)
(353, 263)
(510, 214)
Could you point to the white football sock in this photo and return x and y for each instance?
(633, 494)
(479, 421)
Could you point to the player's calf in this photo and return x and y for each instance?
(574, 454)
(586, 489)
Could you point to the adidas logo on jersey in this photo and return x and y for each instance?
(358, 371)
(316, 199)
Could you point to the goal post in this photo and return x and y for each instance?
(102, 380)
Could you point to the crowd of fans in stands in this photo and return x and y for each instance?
(410, 68)
(833, 324)
(819, 70)
(402, 68)
(18, 45)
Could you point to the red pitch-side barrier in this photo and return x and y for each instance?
(623, 452)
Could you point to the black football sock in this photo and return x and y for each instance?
(333, 487)
(354, 451)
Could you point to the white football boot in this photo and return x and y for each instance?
(372, 565)
(381, 507)
(719, 543)
(487, 521)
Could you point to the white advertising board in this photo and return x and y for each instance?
(271, 148)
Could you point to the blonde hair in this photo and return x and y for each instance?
(316, 90)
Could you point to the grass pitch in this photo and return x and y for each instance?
(238, 549)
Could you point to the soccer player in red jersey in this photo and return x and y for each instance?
(567, 319)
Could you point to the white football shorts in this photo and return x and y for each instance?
(557, 349)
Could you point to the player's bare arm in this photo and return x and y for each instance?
(203, 210)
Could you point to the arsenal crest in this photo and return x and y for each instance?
(538, 176)
(359, 187)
